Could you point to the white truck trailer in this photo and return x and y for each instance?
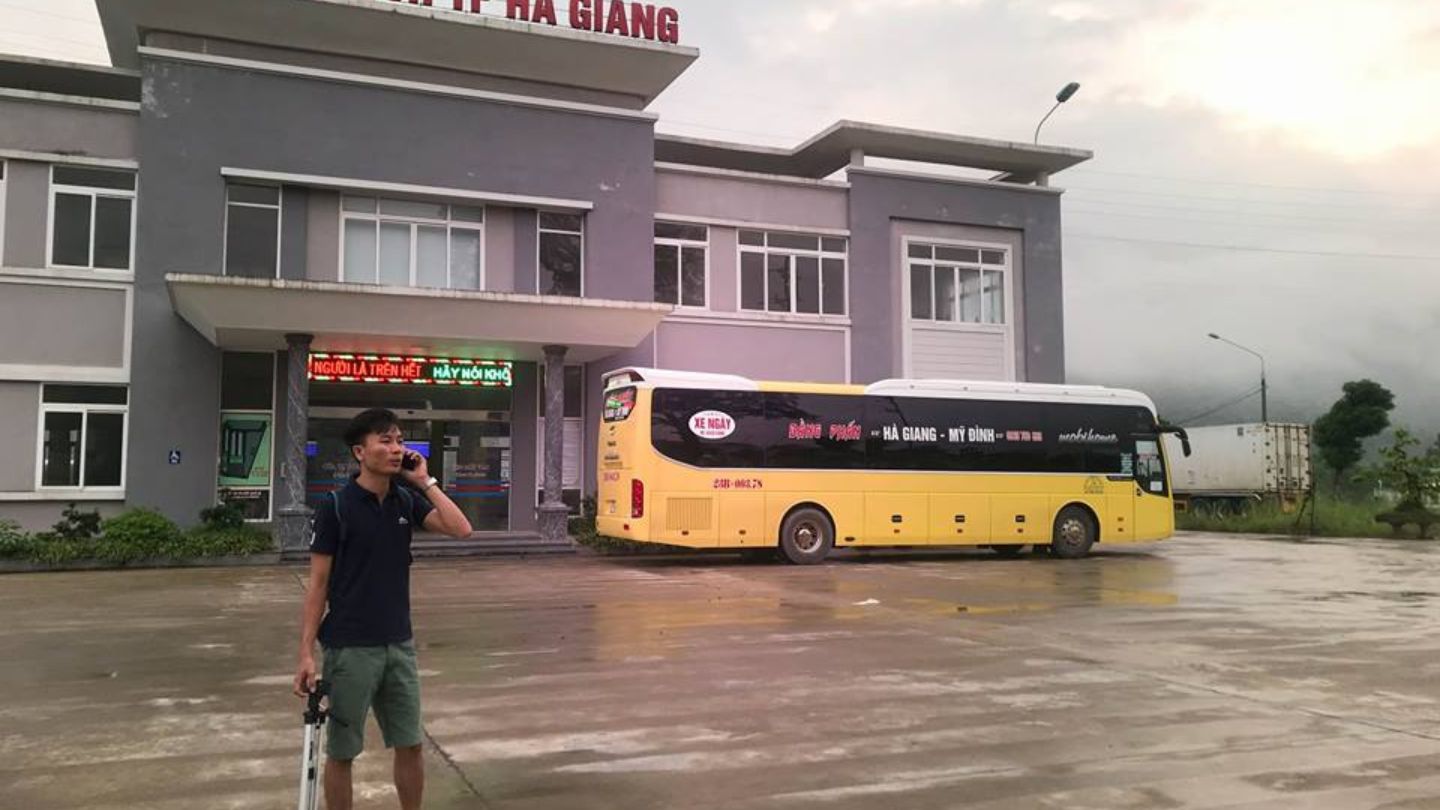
(1232, 467)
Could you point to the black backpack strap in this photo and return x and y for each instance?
(339, 539)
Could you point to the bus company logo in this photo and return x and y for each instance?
(848, 432)
(1088, 436)
(712, 424)
(805, 430)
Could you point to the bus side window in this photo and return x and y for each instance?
(814, 431)
(672, 434)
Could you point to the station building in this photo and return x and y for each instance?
(268, 215)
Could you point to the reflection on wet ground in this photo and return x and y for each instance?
(1204, 672)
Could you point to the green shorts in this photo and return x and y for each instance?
(385, 679)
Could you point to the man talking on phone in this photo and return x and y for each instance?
(360, 585)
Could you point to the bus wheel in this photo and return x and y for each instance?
(1074, 534)
(806, 537)
(1009, 550)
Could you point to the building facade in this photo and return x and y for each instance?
(271, 214)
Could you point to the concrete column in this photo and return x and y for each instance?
(554, 514)
(294, 516)
(857, 157)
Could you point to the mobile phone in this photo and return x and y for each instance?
(411, 460)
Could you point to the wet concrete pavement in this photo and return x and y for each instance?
(1204, 672)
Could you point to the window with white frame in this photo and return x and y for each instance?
(680, 253)
(252, 231)
(82, 437)
(792, 272)
(957, 283)
(562, 254)
(411, 243)
(92, 218)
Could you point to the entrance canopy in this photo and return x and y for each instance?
(245, 314)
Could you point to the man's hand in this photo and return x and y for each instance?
(305, 676)
(419, 476)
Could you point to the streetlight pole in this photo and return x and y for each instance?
(1264, 388)
(1060, 98)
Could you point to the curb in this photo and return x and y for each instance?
(238, 561)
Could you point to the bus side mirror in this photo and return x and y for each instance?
(1179, 433)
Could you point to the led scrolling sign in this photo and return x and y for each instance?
(637, 20)
(393, 369)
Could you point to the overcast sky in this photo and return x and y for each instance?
(1265, 169)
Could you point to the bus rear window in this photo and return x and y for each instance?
(618, 404)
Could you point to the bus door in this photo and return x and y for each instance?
(1154, 510)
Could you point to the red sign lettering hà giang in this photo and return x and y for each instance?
(635, 20)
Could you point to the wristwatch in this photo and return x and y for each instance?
(432, 481)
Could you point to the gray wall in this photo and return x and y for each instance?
(500, 249)
(34, 516)
(91, 325)
(294, 222)
(392, 70)
(760, 352)
(27, 208)
(80, 130)
(724, 270)
(799, 204)
(20, 402)
(215, 117)
(525, 240)
(877, 197)
(322, 236)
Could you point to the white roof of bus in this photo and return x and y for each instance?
(952, 389)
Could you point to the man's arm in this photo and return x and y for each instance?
(310, 615)
(446, 517)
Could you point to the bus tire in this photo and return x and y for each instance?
(1008, 550)
(806, 537)
(1074, 533)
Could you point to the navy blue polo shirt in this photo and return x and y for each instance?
(369, 595)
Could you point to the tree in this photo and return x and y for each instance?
(1362, 411)
(1415, 477)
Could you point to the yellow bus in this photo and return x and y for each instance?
(720, 461)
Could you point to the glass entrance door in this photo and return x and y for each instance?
(468, 452)
(476, 463)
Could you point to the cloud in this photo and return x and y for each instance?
(1355, 80)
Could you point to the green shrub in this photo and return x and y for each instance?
(52, 549)
(1334, 518)
(14, 543)
(77, 526)
(137, 534)
(224, 515)
(204, 541)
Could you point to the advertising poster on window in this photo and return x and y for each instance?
(245, 456)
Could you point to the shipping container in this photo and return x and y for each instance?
(1233, 466)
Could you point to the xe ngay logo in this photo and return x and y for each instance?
(712, 424)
